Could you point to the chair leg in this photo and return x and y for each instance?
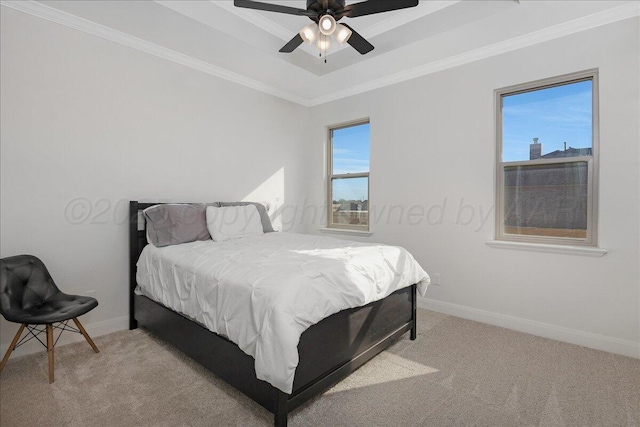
(11, 347)
(50, 351)
(86, 335)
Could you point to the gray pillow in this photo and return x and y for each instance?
(264, 217)
(172, 224)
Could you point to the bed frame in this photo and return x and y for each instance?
(329, 350)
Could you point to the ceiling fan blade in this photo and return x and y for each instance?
(250, 4)
(358, 42)
(375, 6)
(292, 44)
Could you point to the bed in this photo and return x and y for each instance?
(327, 351)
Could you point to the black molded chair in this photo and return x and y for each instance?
(29, 296)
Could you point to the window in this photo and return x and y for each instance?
(348, 176)
(547, 138)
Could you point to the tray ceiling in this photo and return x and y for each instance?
(242, 45)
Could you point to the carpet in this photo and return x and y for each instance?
(457, 373)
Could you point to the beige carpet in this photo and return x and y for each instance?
(457, 372)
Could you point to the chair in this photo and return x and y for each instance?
(29, 296)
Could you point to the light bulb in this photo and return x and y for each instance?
(342, 34)
(324, 43)
(327, 25)
(309, 33)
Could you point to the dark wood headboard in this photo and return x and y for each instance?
(137, 242)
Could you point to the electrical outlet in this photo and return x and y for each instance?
(435, 279)
(91, 293)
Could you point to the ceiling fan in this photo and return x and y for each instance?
(325, 14)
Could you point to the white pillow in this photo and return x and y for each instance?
(233, 222)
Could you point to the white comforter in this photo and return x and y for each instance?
(262, 292)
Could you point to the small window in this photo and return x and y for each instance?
(548, 161)
(348, 176)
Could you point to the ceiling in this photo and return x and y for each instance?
(242, 45)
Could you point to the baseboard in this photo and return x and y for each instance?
(572, 336)
(93, 329)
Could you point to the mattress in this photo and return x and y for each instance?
(262, 292)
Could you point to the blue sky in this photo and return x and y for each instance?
(351, 155)
(554, 115)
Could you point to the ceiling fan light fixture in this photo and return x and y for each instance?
(327, 25)
(323, 14)
(342, 34)
(309, 33)
(324, 43)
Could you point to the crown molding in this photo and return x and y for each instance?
(54, 15)
(609, 16)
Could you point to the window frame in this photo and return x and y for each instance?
(591, 238)
(331, 176)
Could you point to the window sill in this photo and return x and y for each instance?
(346, 231)
(541, 247)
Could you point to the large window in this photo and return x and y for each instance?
(547, 134)
(348, 176)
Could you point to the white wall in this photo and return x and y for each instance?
(86, 119)
(433, 147)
